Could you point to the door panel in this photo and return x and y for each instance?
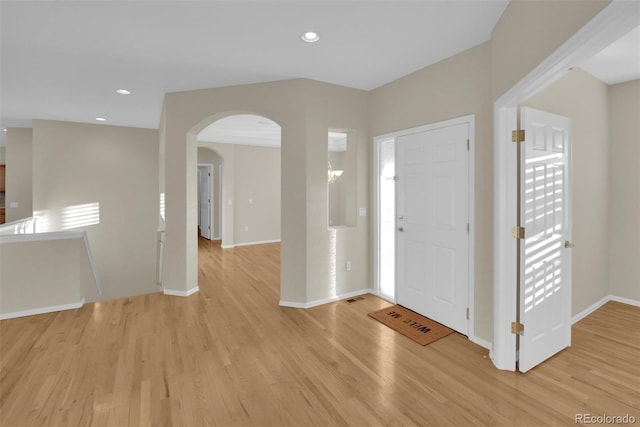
(545, 264)
(432, 216)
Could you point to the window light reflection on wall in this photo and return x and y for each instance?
(43, 223)
(162, 206)
(80, 215)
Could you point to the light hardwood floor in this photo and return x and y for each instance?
(230, 356)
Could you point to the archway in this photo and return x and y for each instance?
(250, 147)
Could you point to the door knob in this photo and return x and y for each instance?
(400, 229)
(569, 245)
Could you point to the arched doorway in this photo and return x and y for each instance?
(249, 199)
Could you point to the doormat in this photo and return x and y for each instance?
(410, 324)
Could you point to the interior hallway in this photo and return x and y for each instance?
(229, 355)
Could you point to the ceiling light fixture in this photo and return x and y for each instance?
(101, 119)
(123, 92)
(4, 130)
(310, 37)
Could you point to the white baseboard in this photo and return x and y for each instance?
(593, 307)
(325, 300)
(481, 342)
(262, 242)
(628, 301)
(174, 293)
(42, 310)
(387, 299)
(227, 246)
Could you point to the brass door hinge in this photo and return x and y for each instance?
(468, 145)
(517, 135)
(517, 232)
(517, 328)
(467, 313)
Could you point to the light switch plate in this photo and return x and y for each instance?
(13, 205)
(363, 211)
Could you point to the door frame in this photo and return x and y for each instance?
(210, 171)
(377, 140)
(616, 20)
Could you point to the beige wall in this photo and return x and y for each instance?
(455, 87)
(42, 274)
(529, 31)
(305, 110)
(251, 185)
(19, 174)
(257, 194)
(624, 230)
(116, 168)
(584, 100)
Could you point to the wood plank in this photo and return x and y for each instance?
(229, 355)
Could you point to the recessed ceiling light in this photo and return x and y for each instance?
(310, 37)
(100, 119)
(123, 92)
(4, 130)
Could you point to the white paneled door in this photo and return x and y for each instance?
(545, 252)
(432, 216)
(204, 201)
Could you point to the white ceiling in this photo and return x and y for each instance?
(63, 60)
(620, 62)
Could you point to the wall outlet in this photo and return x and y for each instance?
(363, 211)
(13, 205)
(347, 265)
(246, 228)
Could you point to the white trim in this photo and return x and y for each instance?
(181, 293)
(227, 246)
(377, 293)
(92, 263)
(325, 300)
(58, 235)
(623, 300)
(43, 310)
(262, 242)
(481, 342)
(593, 307)
(377, 140)
(41, 237)
(587, 311)
(617, 19)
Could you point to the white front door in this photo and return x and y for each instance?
(432, 224)
(545, 254)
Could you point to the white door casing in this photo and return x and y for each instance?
(432, 215)
(545, 258)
